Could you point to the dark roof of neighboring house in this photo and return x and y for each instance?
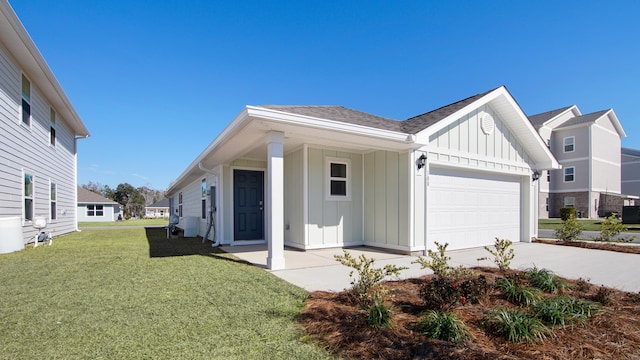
(89, 197)
(159, 204)
(630, 152)
(538, 120)
(584, 119)
(410, 126)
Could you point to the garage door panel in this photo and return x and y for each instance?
(467, 209)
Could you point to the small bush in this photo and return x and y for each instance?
(603, 295)
(502, 253)
(566, 212)
(569, 230)
(517, 294)
(379, 313)
(563, 310)
(439, 261)
(583, 285)
(515, 326)
(545, 280)
(443, 325)
(611, 227)
(446, 292)
(368, 276)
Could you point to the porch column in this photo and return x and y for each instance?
(275, 200)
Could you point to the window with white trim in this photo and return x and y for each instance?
(569, 201)
(569, 143)
(180, 204)
(26, 101)
(28, 197)
(95, 210)
(338, 179)
(203, 188)
(52, 127)
(53, 201)
(548, 175)
(569, 174)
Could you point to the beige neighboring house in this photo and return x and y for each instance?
(159, 209)
(313, 177)
(588, 149)
(94, 207)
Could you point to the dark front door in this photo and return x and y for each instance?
(248, 203)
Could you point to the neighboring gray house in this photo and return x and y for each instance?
(631, 172)
(159, 209)
(94, 207)
(313, 177)
(38, 132)
(588, 148)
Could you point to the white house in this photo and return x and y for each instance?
(159, 209)
(94, 207)
(39, 129)
(313, 177)
(588, 149)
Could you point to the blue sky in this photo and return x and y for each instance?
(156, 81)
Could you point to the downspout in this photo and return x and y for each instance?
(212, 213)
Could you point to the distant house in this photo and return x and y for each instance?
(95, 207)
(313, 177)
(159, 209)
(39, 129)
(631, 172)
(588, 148)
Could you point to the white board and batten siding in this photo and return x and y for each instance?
(478, 184)
(27, 149)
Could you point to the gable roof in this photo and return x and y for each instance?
(15, 38)
(89, 197)
(538, 120)
(159, 204)
(584, 119)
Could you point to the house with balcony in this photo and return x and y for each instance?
(587, 146)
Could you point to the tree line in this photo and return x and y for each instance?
(132, 199)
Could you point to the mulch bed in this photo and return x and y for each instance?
(333, 320)
(629, 249)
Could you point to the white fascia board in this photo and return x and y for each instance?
(326, 124)
(616, 123)
(21, 46)
(571, 108)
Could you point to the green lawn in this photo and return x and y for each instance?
(132, 222)
(589, 225)
(133, 294)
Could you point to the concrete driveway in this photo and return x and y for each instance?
(318, 270)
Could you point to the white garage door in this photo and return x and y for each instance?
(470, 209)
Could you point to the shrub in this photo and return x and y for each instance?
(379, 313)
(611, 227)
(439, 261)
(513, 292)
(562, 310)
(515, 326)
(545, 280)
(583, 285)
(603, 295)
(443, 325)
(569, 230)
(448, 291)
(501, 256)
(368, 276)
(566, 212)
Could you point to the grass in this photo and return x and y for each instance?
(133, 294)
(589, 225)
(131, 222)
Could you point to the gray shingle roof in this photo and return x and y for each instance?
(584, 119)
(161, 203)
(89, 197)
(538, 120)
(630, 152)
(410, 126)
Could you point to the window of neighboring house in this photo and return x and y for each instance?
(548, 175)
(569, 201)
(338, 185)
(26, 101)
(569, 174)
(28, 197)
(95, 210)
(203, 188)
(180, 204)
(53, 201)
(569, 143)
(52, 129)
(547, 204)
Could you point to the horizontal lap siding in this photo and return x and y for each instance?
(29, 148)
(293, 198)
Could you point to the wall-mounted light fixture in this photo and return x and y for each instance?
(535, 176)
(422, 161)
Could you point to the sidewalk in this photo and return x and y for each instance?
(318, 270)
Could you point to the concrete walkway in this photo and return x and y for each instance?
(318, 270)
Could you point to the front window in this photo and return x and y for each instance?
(569, 174)
(569, 143)
(53, 200)
(338, 186)
(26, 101)
(28, 197)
